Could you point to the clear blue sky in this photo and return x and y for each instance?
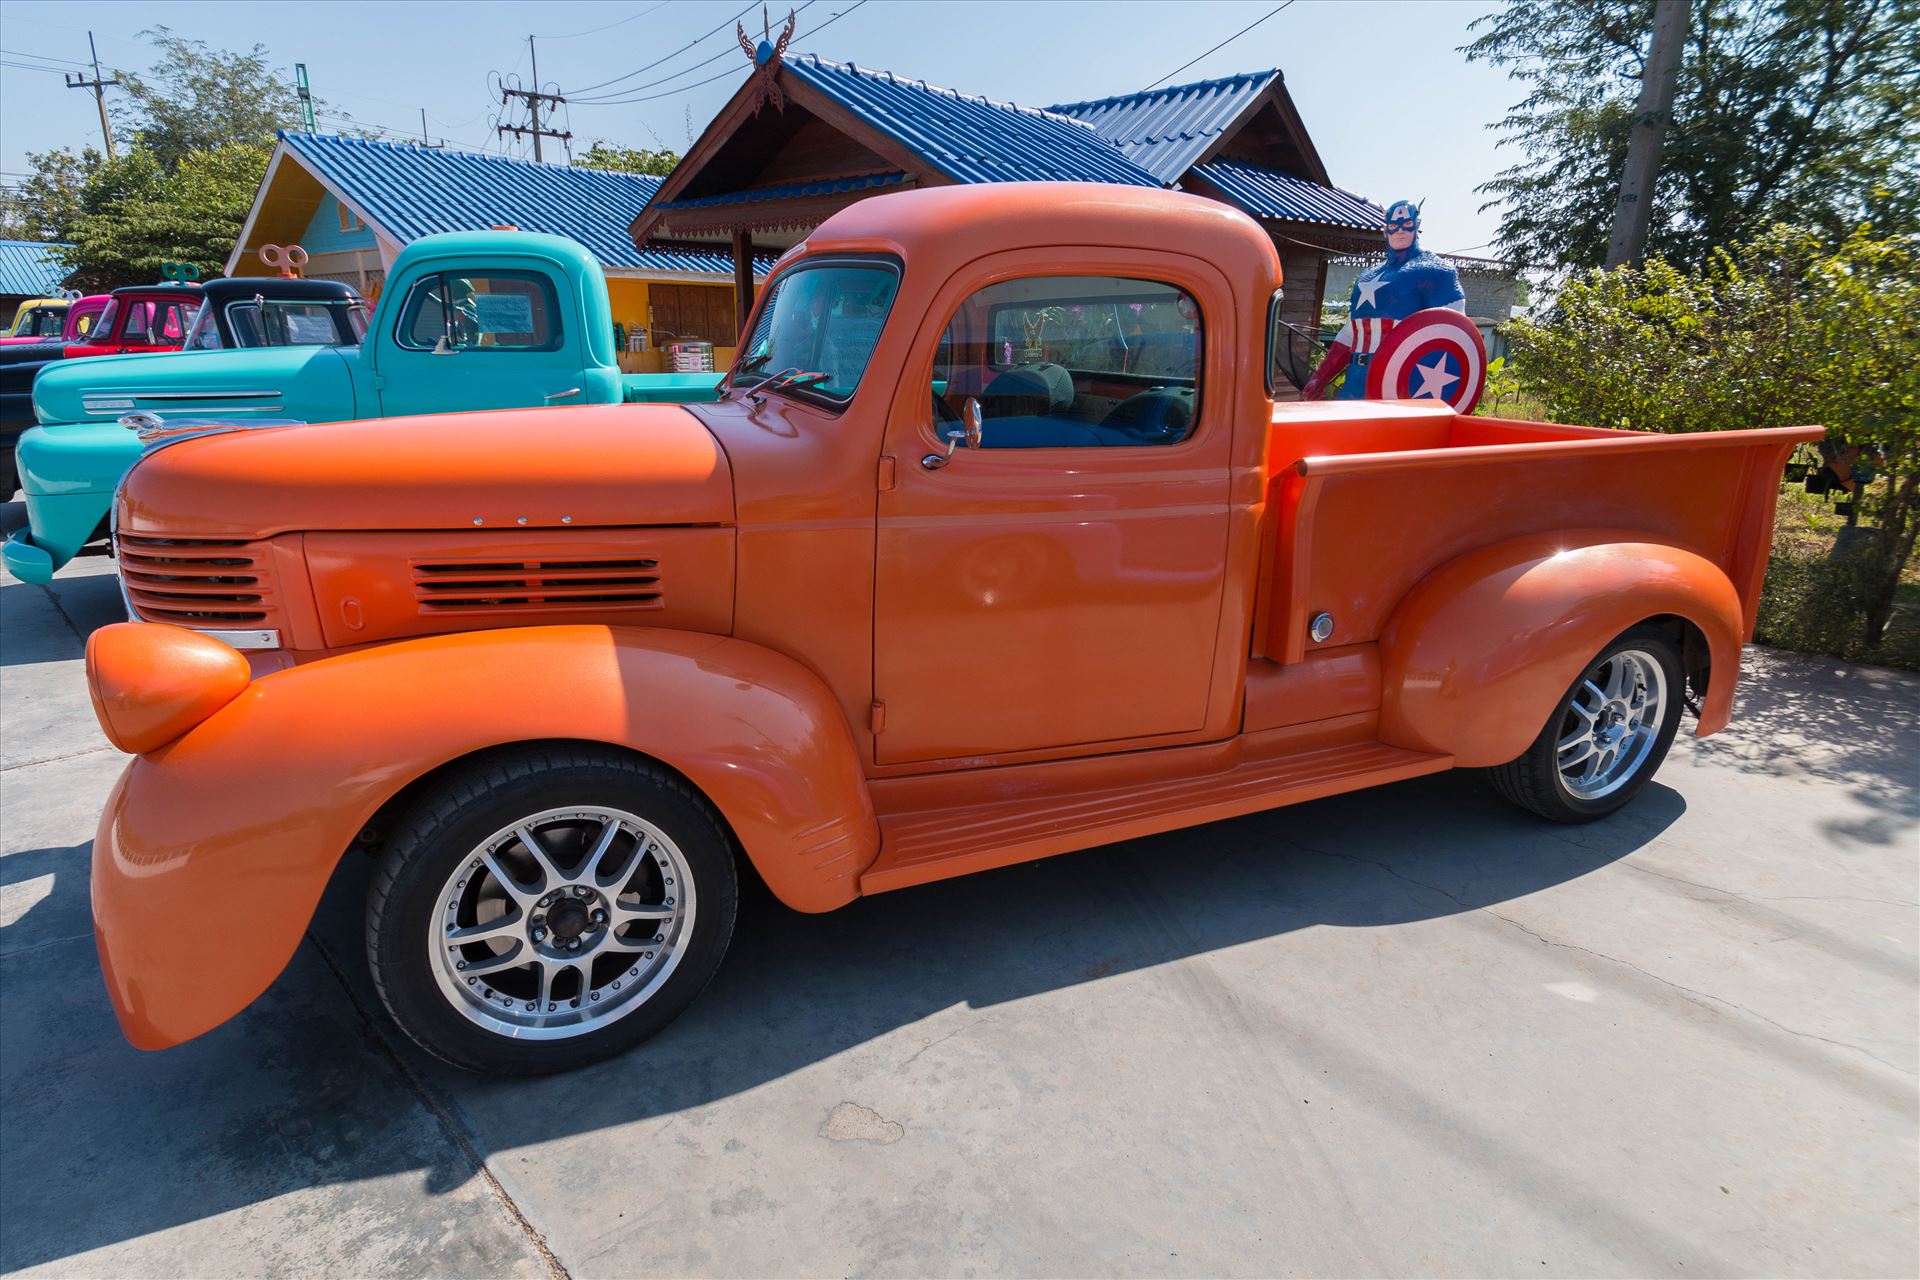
(1394, 110)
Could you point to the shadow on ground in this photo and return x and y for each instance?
(306, 1088)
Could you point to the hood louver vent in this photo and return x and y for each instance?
(198, 582)
(494, 585)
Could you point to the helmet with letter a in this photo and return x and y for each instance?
(1403, 220)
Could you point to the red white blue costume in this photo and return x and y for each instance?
(1410, 280)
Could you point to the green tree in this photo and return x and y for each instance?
(605, 155)
(136, 216)
(1785, 110)
(197, 130)
(1781, 330)
(196, 98)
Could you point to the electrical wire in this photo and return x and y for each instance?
(669, 57)
(607, 98)
(610, 26)
(614, 102)
(1217, 48)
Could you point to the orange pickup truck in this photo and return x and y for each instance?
(996, 545)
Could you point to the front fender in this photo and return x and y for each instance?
(214, 850)
(1480, 652)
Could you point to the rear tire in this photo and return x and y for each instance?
(512, 959)
(1607, 735)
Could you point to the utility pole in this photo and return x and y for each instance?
(533, 98)
(78, 80)
(1634, 213)
(305, 94)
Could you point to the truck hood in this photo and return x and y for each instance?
(314, 384)
(603, 465)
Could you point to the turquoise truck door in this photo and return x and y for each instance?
(480, 337)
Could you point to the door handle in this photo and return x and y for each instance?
(562, 395)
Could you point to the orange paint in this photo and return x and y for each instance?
(880, 673)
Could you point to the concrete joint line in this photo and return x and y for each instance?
(444, 1118)
(1696, 997)
(62, 611)
(72, 755)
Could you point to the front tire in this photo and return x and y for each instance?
(1606, 737)
(548, 908)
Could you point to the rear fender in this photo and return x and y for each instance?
(1480, 652)
(214, 850)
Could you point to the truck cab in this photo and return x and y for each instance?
(147, 317)
(997, 545)
(467, 320)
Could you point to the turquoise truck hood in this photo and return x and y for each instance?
(313, 384)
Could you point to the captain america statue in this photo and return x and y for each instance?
(1410, 280)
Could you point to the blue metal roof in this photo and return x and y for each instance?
(971, 139)
(792, 191)
(1268, 193)
(1165, 131)
(409, 192)
(30, 267)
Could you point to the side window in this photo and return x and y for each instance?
(509, 310)
(139, 322)
(1074, 361)
(173, 321)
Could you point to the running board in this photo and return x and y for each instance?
(925, 845)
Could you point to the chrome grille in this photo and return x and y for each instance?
(198, 582)
(478, 586)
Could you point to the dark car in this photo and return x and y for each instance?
(272, 312)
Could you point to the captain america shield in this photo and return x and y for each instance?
(1434, 354)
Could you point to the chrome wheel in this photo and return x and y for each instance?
(1611, 724)
(561, 923)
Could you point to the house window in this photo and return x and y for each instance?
(348, 222)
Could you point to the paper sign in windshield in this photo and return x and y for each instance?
(504, 312)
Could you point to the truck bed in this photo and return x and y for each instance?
(1364, 500)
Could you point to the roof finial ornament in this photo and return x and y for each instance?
(766, 58)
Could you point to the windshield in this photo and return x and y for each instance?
(257, 322)
(819, 328)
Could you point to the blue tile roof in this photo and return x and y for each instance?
(1165, 131)
(1267, 193)
(971, 139)
(409, 192)
(793, 191)
(30, 267)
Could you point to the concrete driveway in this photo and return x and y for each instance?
(1404, 1031)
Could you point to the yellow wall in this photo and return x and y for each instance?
(631, 310)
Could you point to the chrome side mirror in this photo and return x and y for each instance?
(441, 347)
(967, 433)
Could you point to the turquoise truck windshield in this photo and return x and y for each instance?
(819, 327)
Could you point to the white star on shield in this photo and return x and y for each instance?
(1434, 379)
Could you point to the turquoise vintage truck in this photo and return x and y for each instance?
(468, 320)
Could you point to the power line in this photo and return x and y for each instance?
(685, 88)
(1217, 48)
(533, 98)
(669, 57)
(608, 100)
(611, 25)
